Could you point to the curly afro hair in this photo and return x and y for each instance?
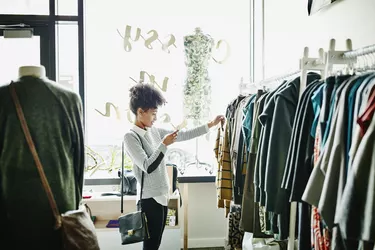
(145, 96)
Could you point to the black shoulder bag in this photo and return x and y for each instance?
(133, 226)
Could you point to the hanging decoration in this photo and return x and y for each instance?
(314, 6)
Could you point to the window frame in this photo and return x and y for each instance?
(50, 21)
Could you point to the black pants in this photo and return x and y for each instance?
(156, 216)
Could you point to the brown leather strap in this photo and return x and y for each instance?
(39, 166)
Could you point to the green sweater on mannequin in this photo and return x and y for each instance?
(54, 118)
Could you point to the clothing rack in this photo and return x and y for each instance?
(324, 64)
(306, 64)
(279, 77)
(336, 57)
(263, 83)
(244, 86)
(360, 52)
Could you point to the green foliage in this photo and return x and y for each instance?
(106, 158)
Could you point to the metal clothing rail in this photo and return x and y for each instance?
(244, 86)
(360, 52)
(279, 77)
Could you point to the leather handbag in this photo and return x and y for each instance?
(77, 228)
(129, 186)
(133, 226)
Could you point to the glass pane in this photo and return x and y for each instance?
(66, 7)
(67, 55)
(16, 52)
(125, 44)
(32, 7)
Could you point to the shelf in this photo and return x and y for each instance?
(98, 198)
(101, 225)
(107, 208)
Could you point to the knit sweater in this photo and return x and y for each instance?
(54, 118)
(146, 150)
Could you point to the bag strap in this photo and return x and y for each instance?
(34, 153)
(122, 178)
(122, 174)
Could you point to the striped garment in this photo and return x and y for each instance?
(224, 178)
(148, 154)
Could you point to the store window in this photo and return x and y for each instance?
(67, 55)
(16, 53)
(143, 40)
(66, 7)
(38, 7)
(25, 7)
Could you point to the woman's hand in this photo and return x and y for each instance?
(217, 120)
(170, 138)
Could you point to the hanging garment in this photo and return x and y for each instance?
(235, 234)
(320, 239)
(256, 141)
(256, 144)
(317, 100)
(247, 124)
(304, 111)
(356, 219)
(248, 204)
(238, 154)
(314, 186)
(280, 133)
(338, 84)
(224, 173)
(250, 219)
(300, 162)
(363, 96)
(333, 170)
(365, 119)
(230, 116)
(334, 165)
(265, 119)
(224, 177)
(327, 102)
(354, 95)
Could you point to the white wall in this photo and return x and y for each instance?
(288, 29)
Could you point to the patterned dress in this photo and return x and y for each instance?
(197, 88)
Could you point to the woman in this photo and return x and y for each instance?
(146, 146)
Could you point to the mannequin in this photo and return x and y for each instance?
(197, 89)
(54, 117)
(37, 71)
